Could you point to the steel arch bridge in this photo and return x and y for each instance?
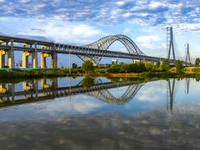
(105, 96)
(105, 42)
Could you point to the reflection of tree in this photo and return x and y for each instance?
(87, 82)
(114, 79)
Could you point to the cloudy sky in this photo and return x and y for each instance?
(81, 22)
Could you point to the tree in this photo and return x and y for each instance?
(115, 68)
(141, 67)
(197, 62)
(149, 66)
(87, 82)
(179, 66)
(165, 65)
(87, 66)
(157, 65)
(74, 65)
(124, 68)
(133, 67)
(114, 79)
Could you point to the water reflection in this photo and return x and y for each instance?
(54, 125)
(155, 129)
(90, 86)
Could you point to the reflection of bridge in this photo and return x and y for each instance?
(33, 93)
(94, 51)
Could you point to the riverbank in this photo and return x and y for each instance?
(14, 76)
(140, 75)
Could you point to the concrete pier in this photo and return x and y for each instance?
(11, 60)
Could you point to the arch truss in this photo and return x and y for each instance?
(105, 42)
(105, 96)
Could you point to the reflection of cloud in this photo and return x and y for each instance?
(148, 97)
(85, 107)
(157, 129)
(79, 104)
(150, 94)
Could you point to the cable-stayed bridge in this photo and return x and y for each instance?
(94, 51)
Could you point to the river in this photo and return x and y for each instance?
(99, 113)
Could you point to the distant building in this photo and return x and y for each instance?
(104, 65)
(114, 61)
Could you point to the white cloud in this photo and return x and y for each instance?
(121, 3)
(60, 31)
(148, 38)
(156, 5)
(85, 31)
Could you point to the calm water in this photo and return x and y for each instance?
(51, 114)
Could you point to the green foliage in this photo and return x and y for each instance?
(114, 79)
(149, 66)
(134, 80)
(157, 66)
(197, 61)
(115, 68)
(124, 68)
(100, 70)
(74, 65)
(141, 67)
(87, 66)
(165, 65)
(87, 82)
(179, 66)
(5, 67)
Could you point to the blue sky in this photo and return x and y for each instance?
(81, 22)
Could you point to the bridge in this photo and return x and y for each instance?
(94, 51)
(34, 92)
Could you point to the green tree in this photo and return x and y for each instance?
(115, 68)
(165, 65)
(157, 65)
(87, 82)
(179, 66)
(197, 62)
(149, 66)
(87, 66)
(141, 67)
(74, 65)
(124, 68)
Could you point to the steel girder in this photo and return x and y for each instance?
(105, 42)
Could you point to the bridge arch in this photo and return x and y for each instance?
(105, 42)
(105, 96)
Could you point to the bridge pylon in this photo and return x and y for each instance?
(187, 55)
(170, 43)
(170, 94)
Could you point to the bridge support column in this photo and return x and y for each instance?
(35, 88)
(2, 89)
(35, 57)
(2, 58)
(54, 60)
(25, 59)
(11, 58)
(11, 90)
(44, 85)
(43, 59)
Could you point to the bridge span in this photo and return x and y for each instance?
(94, 51)
(34, 92)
